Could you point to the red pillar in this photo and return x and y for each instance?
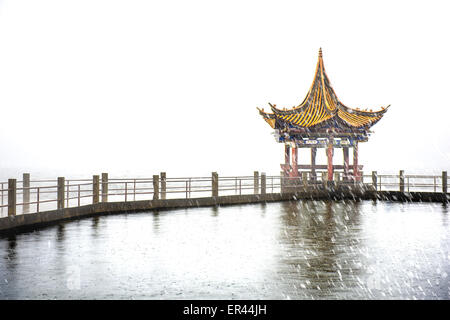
(287, 159)
(330, 161)
(294, 171)
(355, 162)
(346, 163)
(313, 163)
(287, 151)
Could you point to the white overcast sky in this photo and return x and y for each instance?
(139, 87)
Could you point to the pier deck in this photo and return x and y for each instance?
(43, 202)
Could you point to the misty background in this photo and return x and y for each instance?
(138, 87)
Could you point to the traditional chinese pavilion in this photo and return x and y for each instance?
(321, 121)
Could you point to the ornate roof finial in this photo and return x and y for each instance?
(320, 52)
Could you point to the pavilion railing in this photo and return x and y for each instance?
(409, 183)
(32, 196)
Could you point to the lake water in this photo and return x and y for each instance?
(285, 250)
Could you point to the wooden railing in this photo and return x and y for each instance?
(409, 183)
(33, 196)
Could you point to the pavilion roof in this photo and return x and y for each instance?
(320, 105)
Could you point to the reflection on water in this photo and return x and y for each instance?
(286, 250)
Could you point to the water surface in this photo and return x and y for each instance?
(285, 250)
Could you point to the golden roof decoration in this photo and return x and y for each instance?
(322, 104)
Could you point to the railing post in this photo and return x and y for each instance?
(374, 180)
(337, 177)
(67, 193)
(12, 197)
(444, 181)
(38, 199)
(95, 189)
(104, 187)
(163, 185)
(402, 181)
(26, 192)
(305, 179)
(255, 182)
(60, 193)
(215, 184)
(155, 187)
(263, 183)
